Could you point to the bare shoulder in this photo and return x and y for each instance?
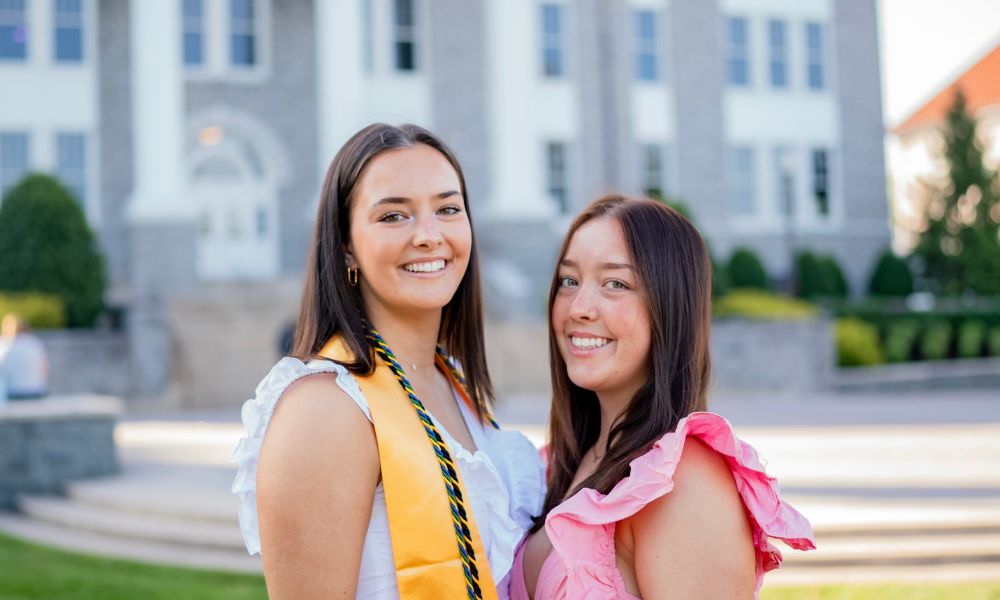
(697, 537)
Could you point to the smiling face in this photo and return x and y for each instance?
(599, 317)
(410, 234)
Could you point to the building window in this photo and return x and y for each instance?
(646, 63)
(71, 164)
(68, 30)
(737, 52)
(405, 35)
(13, 160)
(778, 40)
(653, 159)
(552, 41)
(242, 33)
(742, 181)
(821, 180)
(193, 25)
(13, 30)
(815, 56)
(558, 181)
(784, 169)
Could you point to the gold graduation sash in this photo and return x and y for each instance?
(424, 544)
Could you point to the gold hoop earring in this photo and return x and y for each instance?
(352, 276)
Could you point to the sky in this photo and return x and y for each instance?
(926, 44)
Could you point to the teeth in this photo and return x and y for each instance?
(425, 267)
(588, 343)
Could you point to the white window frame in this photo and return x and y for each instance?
(216, 39)
(74, 177)
(742, 194)
(406, 34)
(77, 21)
(557, 178)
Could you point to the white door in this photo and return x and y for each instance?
(237, 230)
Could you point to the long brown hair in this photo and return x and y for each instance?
(674, 270)
(331, 306)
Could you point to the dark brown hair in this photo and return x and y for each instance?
(331, 306)
(674, 270)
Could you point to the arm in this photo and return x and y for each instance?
(696, 541)
(316, 482)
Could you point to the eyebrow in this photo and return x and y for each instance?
(404, 200)
(608, 266)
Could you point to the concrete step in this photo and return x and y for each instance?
(946, 573)
(900, 550)
(106, 521)
(87, 542)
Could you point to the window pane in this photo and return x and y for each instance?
(13, 30)
(821, 181)
(68, 34)
(741, 181)
(193, 25)
(242, 50)
(652, 171)
(405, 59)
(816, 56)
(557, 181)
(645, 46)
(779, 54)
(738, 52)
(405, 34)
(13, 160)
(552, 40)
(71, 164)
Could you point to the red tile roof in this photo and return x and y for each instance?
(980, 84)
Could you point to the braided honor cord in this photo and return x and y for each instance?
(449, 471)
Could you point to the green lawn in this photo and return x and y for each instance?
(31, 572)
(955, 591)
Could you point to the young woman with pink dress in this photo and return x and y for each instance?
(649, 496)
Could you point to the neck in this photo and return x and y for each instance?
(412, 338)
(612, 405)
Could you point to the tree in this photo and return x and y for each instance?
(960, 247)
(46, 246)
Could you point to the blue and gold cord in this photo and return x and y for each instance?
(449, 471)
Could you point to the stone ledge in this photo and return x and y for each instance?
(61, 407)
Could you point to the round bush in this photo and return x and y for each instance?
(809, 276)
(936, 341)
(720, 278)
(857, 343)
(891, 277)
(834, 282)
(746, 270)
(971, 335)
(46, 246)
(899, 340)
(993, 341)
(754, 304)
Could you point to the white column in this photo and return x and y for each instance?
(157, 113)
(340, 77)
(516, 149)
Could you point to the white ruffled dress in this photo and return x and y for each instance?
(504, 480)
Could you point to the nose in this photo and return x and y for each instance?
(427, 234)
(583, 307)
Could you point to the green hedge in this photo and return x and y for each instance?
(891, 277)
(41, 311)
(747, 271)
(756, 304)
(950, 331)
(857, 343)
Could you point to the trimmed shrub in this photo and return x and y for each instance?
(41, 311)
(46, 246)
(971, 336)
(834, 282)
(746, 270)
(900, 337)
(891, 277)
(754, 304)
(993, 341)
(857, 343)
(720, 278)
(809, 276)
(936, 341)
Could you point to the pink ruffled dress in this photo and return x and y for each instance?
(582, 529)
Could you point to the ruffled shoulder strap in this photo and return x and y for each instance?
(257, 413)
(578, 524)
